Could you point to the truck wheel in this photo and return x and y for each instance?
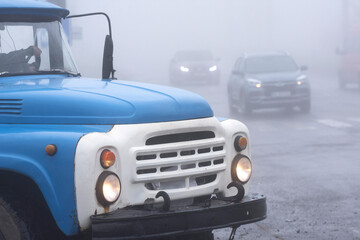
(11, 226)
(342, 85)
(341, 81)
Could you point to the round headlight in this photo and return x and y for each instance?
(241, 169)
(108, 188)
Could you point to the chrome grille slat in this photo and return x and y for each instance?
(160, 176)
(180, 160)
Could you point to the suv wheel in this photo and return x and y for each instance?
(245, 106)
(305, 106)
(233, 109)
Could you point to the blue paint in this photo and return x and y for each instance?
(32, 7)
(55, 109)
(221, 119)
(22, 150)
(62, 100)
(38, 110)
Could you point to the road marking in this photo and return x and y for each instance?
(354, 119)
(334, 123)
(305, 128)
(299, 126)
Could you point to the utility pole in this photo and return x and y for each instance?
(345, 20)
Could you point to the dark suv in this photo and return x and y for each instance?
(268, 80)
(194, 66)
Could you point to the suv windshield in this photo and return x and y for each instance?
(270, 64)
(34, 48)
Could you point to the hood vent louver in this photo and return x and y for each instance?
(10, 106)
(180, 137)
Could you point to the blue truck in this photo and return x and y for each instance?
(105, 158)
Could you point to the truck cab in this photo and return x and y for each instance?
(106, 158)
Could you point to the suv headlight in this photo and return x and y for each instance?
(301, 80)
(241, 169)
(213, 68)
(184, 69)
(254, 82)
(108, 188)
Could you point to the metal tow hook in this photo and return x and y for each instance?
(239, 195)
(233, 231)
(165, 196)
(207, 202)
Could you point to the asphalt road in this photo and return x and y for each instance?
(307, 165)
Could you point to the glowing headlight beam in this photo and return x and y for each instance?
(108, 188)
(213, 68)
(184, 69)
(254, 82)
(241, 169)
(111, 188)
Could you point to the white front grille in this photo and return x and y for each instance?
(182, 163)
(184, 167)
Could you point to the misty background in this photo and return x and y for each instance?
(147, 34)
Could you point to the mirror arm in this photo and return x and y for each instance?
(92, 14)
(109, 64)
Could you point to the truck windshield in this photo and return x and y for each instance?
(34, 48)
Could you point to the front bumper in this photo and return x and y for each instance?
(277, 102)
(268, 98)
(135, 222)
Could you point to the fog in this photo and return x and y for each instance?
(147, 34)
(306, 163)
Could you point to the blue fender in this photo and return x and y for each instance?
(22, 150)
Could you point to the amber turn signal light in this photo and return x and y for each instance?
(240, 143)
(107, 158)
(51, 149)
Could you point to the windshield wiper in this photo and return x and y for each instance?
(52, 71)
(58, 71)
(8, 74)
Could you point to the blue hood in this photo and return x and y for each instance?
(61, 100)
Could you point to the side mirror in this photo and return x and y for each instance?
(108, 67)
(304, 68)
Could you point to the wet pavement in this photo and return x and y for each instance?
(306, 164)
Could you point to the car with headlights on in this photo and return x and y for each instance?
(268, 80)
(193, 67)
